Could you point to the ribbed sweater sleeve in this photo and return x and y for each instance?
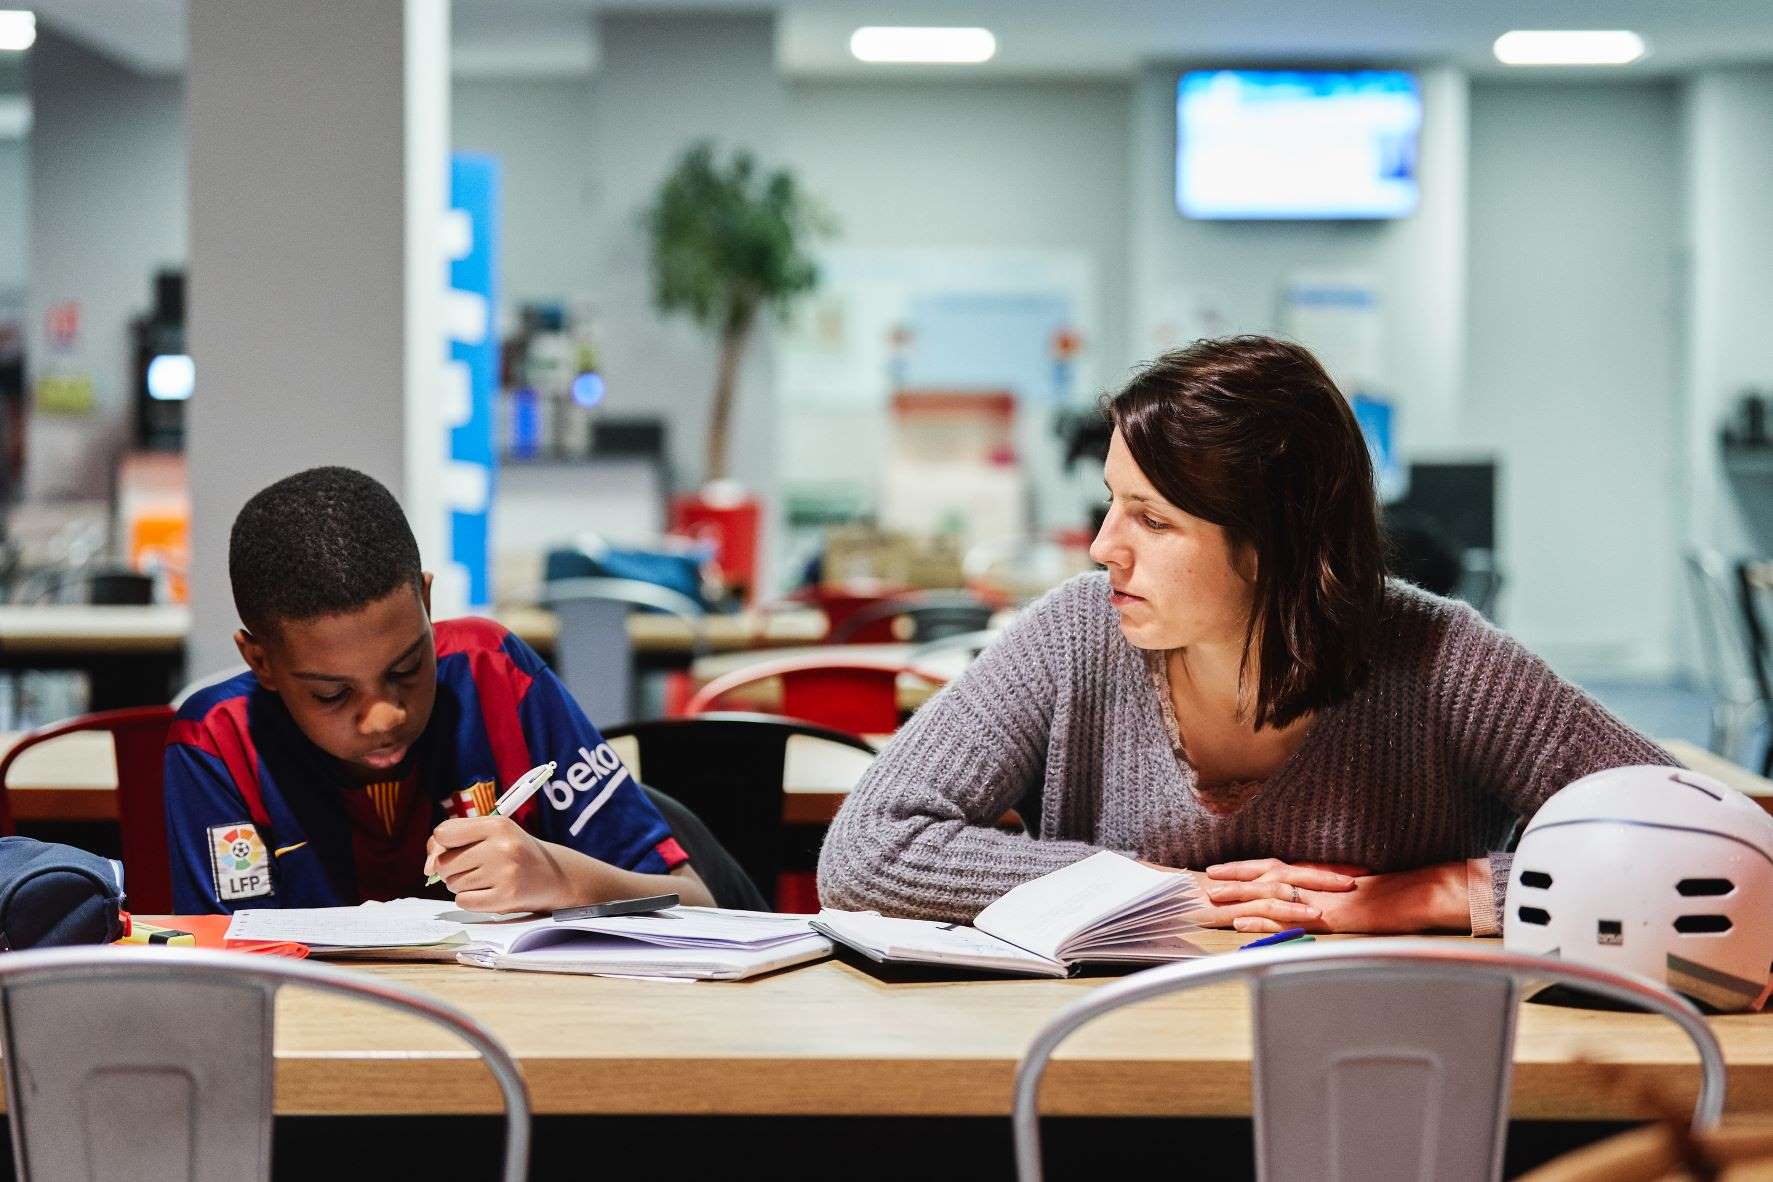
(917, 836)
(1518, 731)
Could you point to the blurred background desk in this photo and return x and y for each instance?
(662, 641)
(132, 655)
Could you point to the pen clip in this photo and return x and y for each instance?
(528, 781)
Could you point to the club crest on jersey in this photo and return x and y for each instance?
(239, 862)
(476, 800)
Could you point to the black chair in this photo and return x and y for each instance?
(932, 616)
(721, 873)
(726, 769)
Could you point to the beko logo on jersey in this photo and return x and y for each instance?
(592, 768)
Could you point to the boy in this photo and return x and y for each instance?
(319, 777)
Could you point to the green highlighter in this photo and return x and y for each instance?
(514, 798)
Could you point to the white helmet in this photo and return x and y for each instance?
(1654, 870)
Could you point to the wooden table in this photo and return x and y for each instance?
(830, 1039)
(74, 778)
(655, 635)
(131, 655)
(152, 638)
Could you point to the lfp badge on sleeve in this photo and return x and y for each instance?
(241, 864)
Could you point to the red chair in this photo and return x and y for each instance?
(841, 602)
(138, 737)
(861, 697)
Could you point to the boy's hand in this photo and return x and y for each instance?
(494, 864)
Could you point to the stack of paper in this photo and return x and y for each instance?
(696, 942)
(426, 926)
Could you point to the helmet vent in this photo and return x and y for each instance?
(1540, 879)
(1702, 886)
(1693, 924)
(1536, 915)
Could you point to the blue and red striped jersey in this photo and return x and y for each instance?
(258, 816)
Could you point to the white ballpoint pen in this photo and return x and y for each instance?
(515, 797)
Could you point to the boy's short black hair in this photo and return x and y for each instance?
(319, 543)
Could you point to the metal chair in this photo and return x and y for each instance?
(156, 1064)
(728, 770)
(931, 615)
(138, 739)
(1373, 1059)
(1480, 581)
(593, 655)
(1727, 651)
(971, 644)
(853, 695)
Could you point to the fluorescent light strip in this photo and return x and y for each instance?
(1569, 47)
(18, 29)
(904, 43)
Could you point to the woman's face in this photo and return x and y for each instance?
(1177, 580)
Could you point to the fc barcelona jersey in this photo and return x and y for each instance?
(258, 816)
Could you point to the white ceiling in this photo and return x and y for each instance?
(1035, 37)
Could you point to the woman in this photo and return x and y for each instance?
(1241, 694)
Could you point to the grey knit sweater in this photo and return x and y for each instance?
(1457, 730)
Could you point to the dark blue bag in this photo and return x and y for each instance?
(52, 895)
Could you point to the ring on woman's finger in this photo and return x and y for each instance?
(1293, 892)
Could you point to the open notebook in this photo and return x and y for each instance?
(1104, 908)
(698, 942)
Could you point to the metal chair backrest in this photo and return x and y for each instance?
(931, 616)
(971, 644)
(155, 1064)
(1480, 581)
(854, 695)
(1729, 660)
(1374, 1059)
(138, 738)
(727, 769)
(593, 655)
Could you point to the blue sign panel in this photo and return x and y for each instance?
(474, 365)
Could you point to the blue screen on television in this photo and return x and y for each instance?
(1297, 144)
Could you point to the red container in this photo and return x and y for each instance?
(731, 524)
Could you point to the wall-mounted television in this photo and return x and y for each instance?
(1297, 144)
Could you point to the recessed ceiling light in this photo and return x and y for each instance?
(1569, 47)
(18, 29)
(904, 43)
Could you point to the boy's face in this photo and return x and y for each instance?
(360, 685)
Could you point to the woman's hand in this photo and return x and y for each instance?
(1431, 898)
(1267, 895)
(494, 864)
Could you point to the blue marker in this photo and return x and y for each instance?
(1280, 937)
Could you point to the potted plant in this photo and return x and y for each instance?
(729, 242)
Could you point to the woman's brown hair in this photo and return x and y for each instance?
(1250, 433)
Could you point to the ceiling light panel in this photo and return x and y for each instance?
(904, 43)
(1569, 47)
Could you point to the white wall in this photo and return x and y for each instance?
(107, 200)
(1729, 173)
(1573, 374)
(1239, 268)
(14, 204)
(1030, 165)
(540, 130)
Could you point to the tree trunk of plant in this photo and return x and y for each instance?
(726, 380)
